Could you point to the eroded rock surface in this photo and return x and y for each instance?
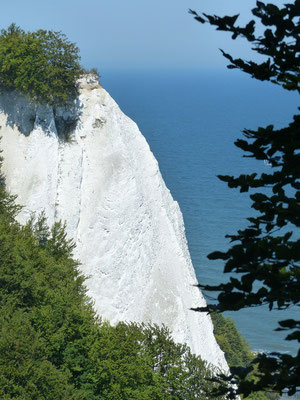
(102, 179)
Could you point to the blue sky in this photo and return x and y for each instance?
(135, 34)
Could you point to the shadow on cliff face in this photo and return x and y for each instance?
(66, 119)
(24, 115)
(19, 111)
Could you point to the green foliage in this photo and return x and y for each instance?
(266, 253)
(237, 350)
(25, 370)
(44, 315)
(52, 346)
(43, 65)
(132, 361)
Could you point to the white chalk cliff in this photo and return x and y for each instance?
(106, 184)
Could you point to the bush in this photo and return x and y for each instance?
(43, 65)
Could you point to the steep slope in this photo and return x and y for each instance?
(105, 183)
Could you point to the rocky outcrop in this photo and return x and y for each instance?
(91, 167)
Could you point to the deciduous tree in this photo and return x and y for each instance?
(43, 65)
(266, 254)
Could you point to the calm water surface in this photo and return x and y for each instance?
(190, 120)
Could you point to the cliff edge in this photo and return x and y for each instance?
(91, 167)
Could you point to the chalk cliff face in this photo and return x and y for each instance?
(105, 183)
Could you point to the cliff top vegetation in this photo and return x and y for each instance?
(43, 64)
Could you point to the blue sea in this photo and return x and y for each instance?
(191, 120)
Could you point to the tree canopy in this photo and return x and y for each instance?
(266, 254)
(43, 65)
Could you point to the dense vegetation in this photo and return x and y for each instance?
(266, 254)
(43, 65)
(52, 346)
(237, 351)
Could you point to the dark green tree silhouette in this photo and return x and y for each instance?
(266, 254)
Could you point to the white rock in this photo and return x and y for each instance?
(106, 184)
